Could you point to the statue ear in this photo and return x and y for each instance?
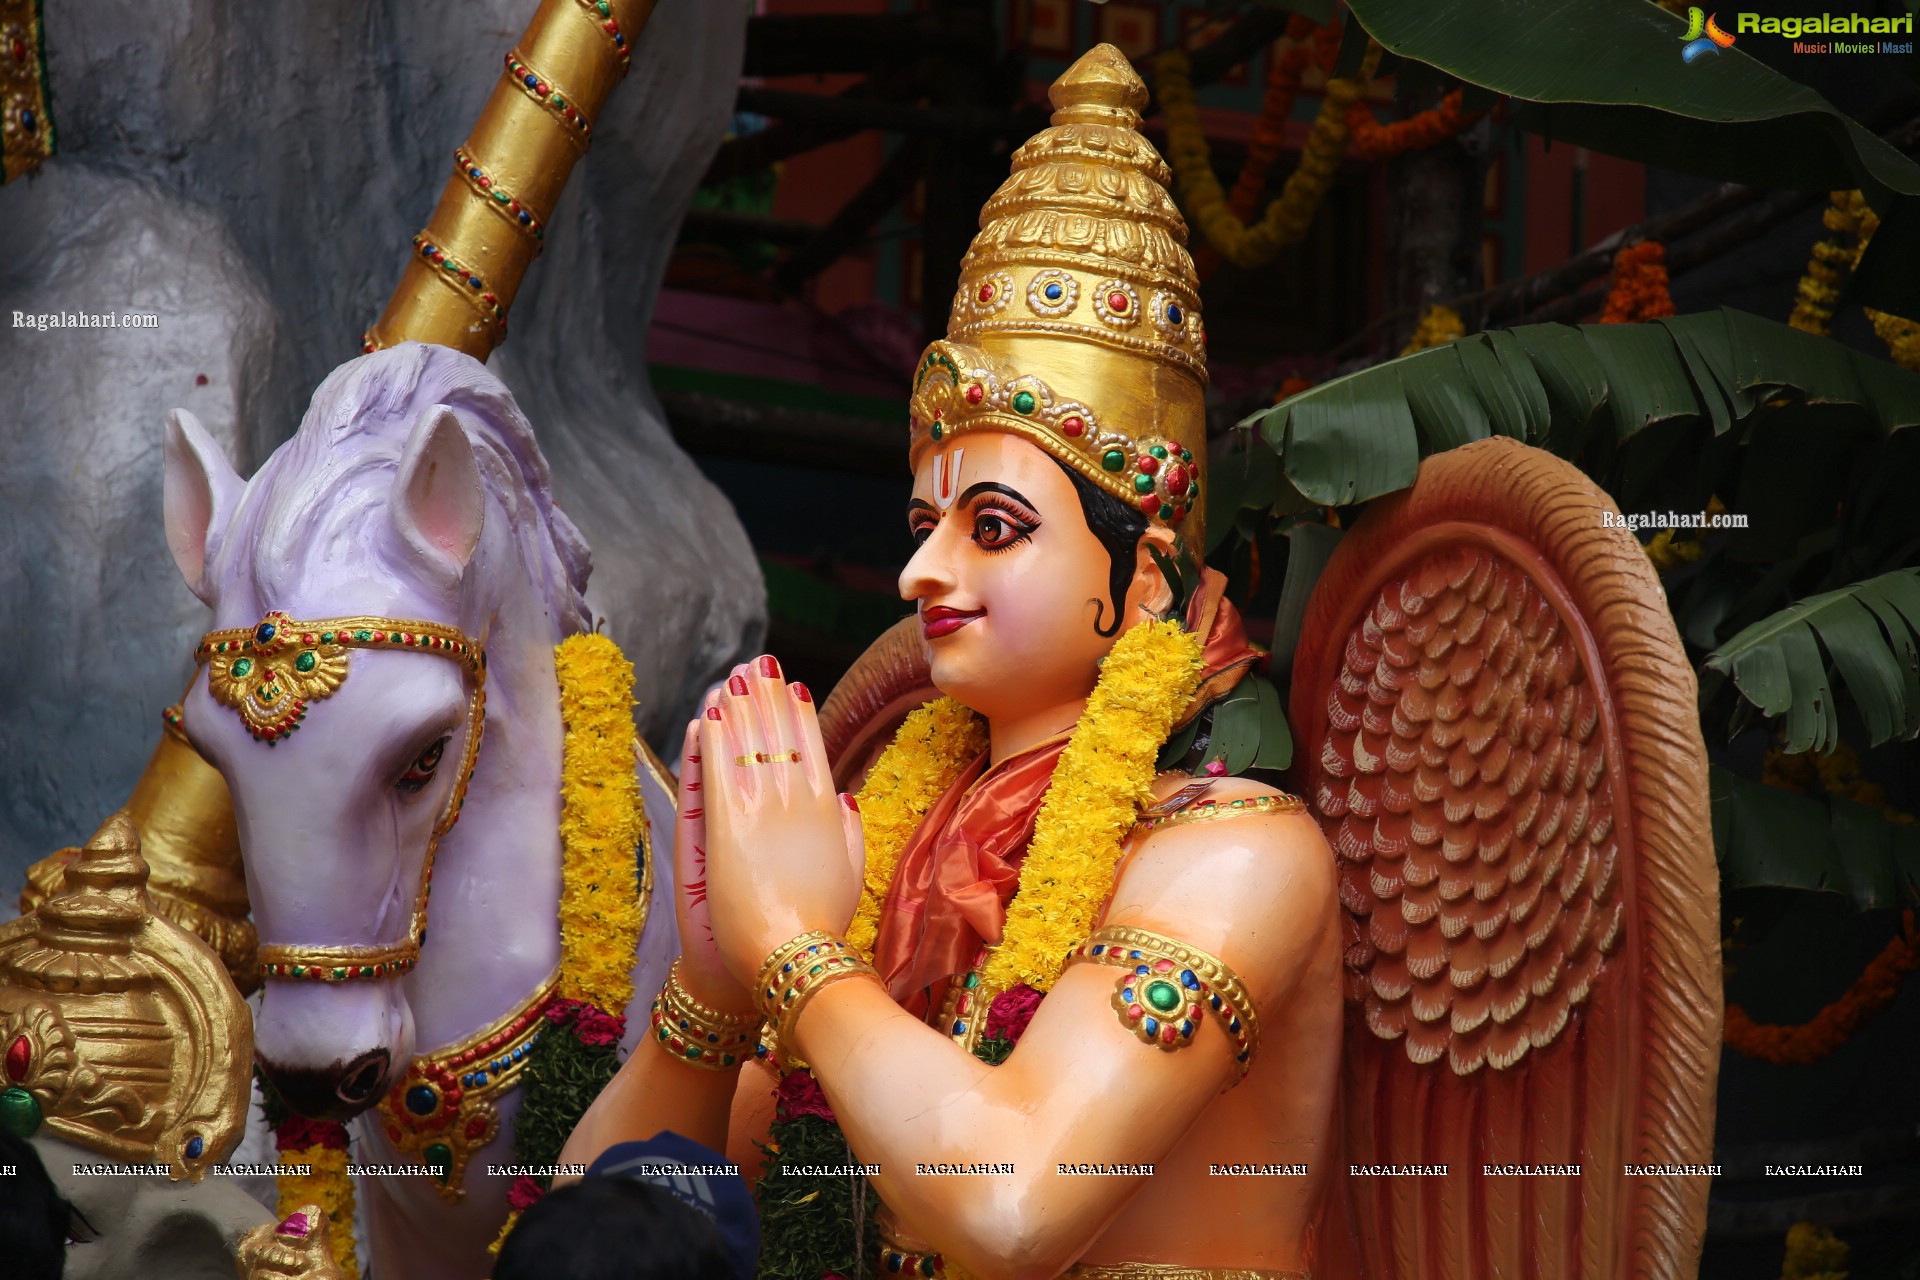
(199, 492)
(438, 503)
(1153, 589)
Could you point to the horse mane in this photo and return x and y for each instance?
(318, 502)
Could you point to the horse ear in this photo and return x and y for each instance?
(438, 502)
(199, 491)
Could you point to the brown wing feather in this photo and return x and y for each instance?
(1499, 738)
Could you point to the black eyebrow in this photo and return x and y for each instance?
(988, 486)
(921, 504)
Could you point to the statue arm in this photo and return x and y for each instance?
(1080, 1087)
(651, 1094)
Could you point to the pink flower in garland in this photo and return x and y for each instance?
(1010, 1012)
(800, 1095)
(591, 1025)
(524, 1194)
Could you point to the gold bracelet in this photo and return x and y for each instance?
(797, 971)
(1167, 986)
(698, 1034)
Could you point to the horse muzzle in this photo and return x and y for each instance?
(339, 1091)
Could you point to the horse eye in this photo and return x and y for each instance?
(420, 772)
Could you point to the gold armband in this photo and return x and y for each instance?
(1167, 987)
(697, 1034)
(797, 971)
(1160, 816)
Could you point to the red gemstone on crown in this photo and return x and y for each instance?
(1073, 426)
(976, 393)
(986, 293)
(1176, 477)
(1150, 504)
(1147, 463)
(1117, 302)
(19, 1058)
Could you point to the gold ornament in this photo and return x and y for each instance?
(184, 815)
(444, 1108)
(26, 127)
(292, 1249)
(1194, 981)
(1077, 322)
(270, 673)
(490, 223)
(119, 1030)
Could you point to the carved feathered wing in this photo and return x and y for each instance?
(882, 687)
(1499, 737)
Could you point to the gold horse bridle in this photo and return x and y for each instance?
(270, 674)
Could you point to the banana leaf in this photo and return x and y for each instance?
(1764, 837)
(1870, 630)
(1356, 437)
(1609, 75)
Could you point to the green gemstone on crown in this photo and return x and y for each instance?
(305, 662)
(1163, 996)
(1023, 402)
(1158, 451)
(937, 431)
(241, 666)
(1143, 484)
(1113, 459)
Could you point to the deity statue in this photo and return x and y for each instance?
(1069, 987)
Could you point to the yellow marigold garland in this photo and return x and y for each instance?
(329, 1187)
(1104, 776)
(1287, 219)
(1438, 327)
(926, 755)
(601, 824)
(1851, 222)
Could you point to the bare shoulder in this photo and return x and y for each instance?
(1242, 872)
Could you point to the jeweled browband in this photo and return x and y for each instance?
(270, 674)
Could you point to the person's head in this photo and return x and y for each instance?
(613, 1229)
(1025, 573)
(35, 1222)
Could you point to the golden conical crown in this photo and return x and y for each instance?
(1077, 321)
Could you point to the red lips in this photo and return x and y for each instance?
(938, 620)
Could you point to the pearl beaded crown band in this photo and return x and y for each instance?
(270, 674)
(1077, 321)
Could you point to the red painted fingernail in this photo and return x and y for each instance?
(769, 667)
(693, 759)
(713, 713)
(847, 800)
(737, 686)
(801, 692)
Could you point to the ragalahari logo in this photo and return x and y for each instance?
(1703, 35)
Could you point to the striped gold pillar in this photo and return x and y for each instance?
(468, 263)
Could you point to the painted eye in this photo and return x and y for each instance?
(420, 772)
(993, 531)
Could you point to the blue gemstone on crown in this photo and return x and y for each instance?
(1053, 292)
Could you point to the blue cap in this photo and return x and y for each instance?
(698, 1176)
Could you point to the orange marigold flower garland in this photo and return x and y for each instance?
(1288, 218)
(320, 1147)
(1368, 139)
(1811, 1041)
(1311, 45)
(1438, 327)
(1850, 223)
(1639, 288)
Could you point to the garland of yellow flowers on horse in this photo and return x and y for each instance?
(602, 823)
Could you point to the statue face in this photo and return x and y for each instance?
(1012, 587)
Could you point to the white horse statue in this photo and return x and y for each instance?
(405, 537)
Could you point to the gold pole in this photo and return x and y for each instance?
(465, 269)
(468, 263)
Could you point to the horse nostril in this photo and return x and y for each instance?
(362, 1079)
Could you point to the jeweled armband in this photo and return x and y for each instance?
(796, 972)
(697, 1034)
(1168, 987)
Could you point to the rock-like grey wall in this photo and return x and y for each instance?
(252, 174)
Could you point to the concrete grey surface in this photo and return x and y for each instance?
(251, 175)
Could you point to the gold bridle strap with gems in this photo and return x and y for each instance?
(270, 674)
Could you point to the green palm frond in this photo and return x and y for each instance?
(1768, 838)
